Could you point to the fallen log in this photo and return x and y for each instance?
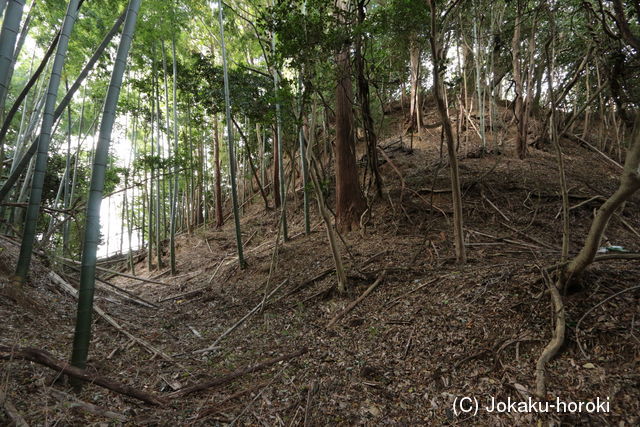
(44, 358)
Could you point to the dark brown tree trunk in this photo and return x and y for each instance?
(218, 184)
(521, 140)
(350, 203)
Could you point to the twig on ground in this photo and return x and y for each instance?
(306, 283)
(357, 301)
(122, 293)
(494, 206)
(533, 239)
(213, 346)
(395, 301)
(117, 273)
(584, 202)
(216, 408)
(626, 224)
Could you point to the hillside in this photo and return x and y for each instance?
(431, 332)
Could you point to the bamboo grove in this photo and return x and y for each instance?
(193, 110)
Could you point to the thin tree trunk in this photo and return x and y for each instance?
(521, 145)
(33, 210)
(217, 172)
(276, 171)
(232, 162)
(365, 106)
(174, 199)
(278, 147)
(414, 66)
(437, 52)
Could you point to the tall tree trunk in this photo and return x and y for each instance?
(33, 210)
(365, 105)
(350, 203)
(82, 335)
(278, 148)
(521, 143)
(304, 164)
(218, 174)
(341, 276)
(174, 193)
(232, 160)
(437, 55)
(249, 160)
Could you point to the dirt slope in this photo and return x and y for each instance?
(430, 333)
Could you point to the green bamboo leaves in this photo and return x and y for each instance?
(35, 198)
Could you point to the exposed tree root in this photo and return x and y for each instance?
(556, 342)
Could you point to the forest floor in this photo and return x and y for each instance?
(431, 332)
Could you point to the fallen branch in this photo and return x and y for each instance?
(357, 301)
(218, 407)
(494, 206)
(533, 239)
(593, 199)
(238, 373)
(584, 142)
(395, 301)
(46, 359)
(241, 321)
